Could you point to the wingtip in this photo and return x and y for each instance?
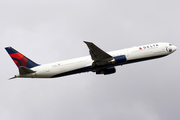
(87, 42)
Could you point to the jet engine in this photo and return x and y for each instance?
(106, 71)
(114, 60)
(120, 59)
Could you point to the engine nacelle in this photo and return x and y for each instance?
(120, 59)
(116, 60)
(107, 71)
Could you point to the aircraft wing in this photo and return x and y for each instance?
(99, 56)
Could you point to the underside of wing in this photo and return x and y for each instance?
(98, 55)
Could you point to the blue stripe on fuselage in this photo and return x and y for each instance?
(85, 69)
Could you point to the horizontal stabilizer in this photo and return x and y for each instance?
(12, 78)
(24, 70)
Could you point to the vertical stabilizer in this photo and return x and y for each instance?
(19, 59)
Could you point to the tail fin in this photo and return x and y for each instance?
(19, 59)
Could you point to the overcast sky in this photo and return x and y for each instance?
(54, 30)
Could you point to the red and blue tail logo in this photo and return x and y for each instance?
(19, 59)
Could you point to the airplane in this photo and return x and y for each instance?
(98, 61)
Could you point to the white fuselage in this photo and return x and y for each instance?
(84, 64)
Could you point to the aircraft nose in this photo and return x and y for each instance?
(174, 48)
(171, 49)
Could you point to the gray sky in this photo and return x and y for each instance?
(53, 30)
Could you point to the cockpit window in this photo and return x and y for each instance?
(170, 44)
